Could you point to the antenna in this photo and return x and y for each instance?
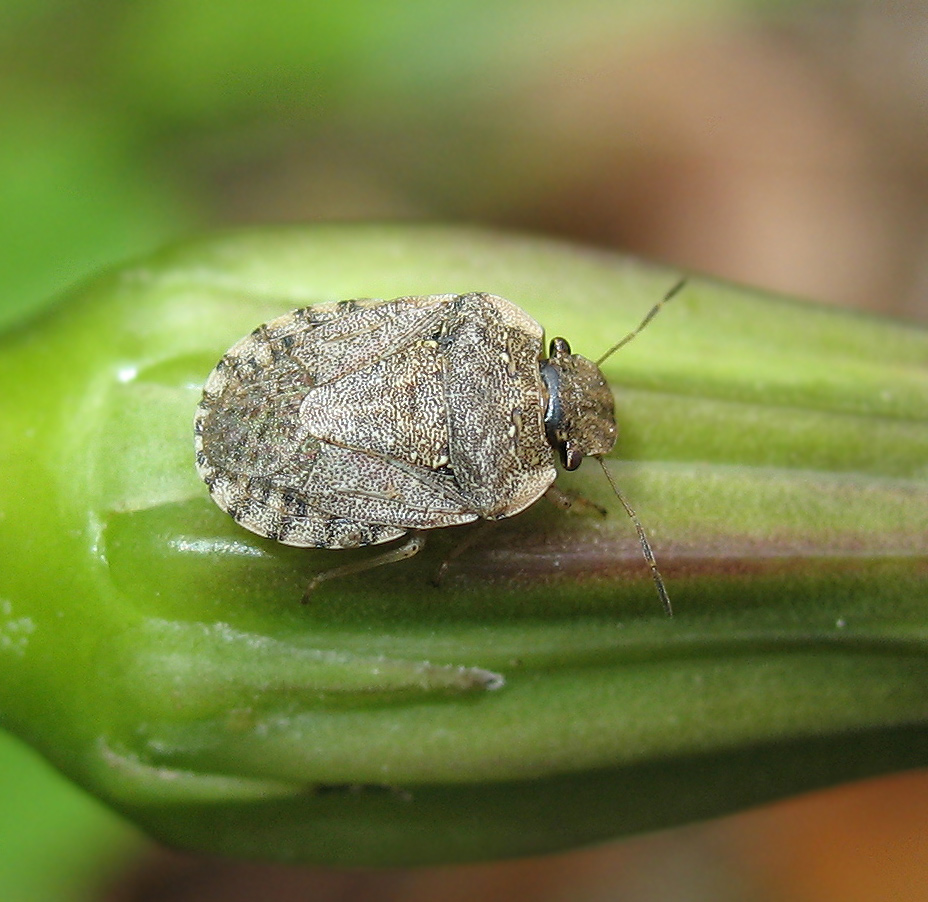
(645, 545)
(651, 314)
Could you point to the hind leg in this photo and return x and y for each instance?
(411, 547)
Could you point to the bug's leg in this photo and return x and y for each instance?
(565, 500)
(412, 546)
(475, 536)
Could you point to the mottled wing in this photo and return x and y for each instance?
(395, 408)
(461, 399)
(273, 474)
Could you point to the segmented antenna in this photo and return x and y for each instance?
(651, 314)
(645, 544)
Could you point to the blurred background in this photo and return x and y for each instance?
(781, 144)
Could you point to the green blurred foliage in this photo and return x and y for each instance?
(73, 199)
(125, 124)
(54, 838)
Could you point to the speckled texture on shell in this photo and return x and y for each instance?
(347, 424)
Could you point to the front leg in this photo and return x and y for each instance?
(565, 500)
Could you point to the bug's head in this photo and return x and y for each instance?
(580, 413)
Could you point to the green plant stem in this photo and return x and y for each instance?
(154, 651)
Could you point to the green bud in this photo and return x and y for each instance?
(158, 654)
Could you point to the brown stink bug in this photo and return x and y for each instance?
(352, 423)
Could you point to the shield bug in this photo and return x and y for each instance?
(353, 423)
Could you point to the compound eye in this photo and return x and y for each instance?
(572, 458)
(559, 347)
